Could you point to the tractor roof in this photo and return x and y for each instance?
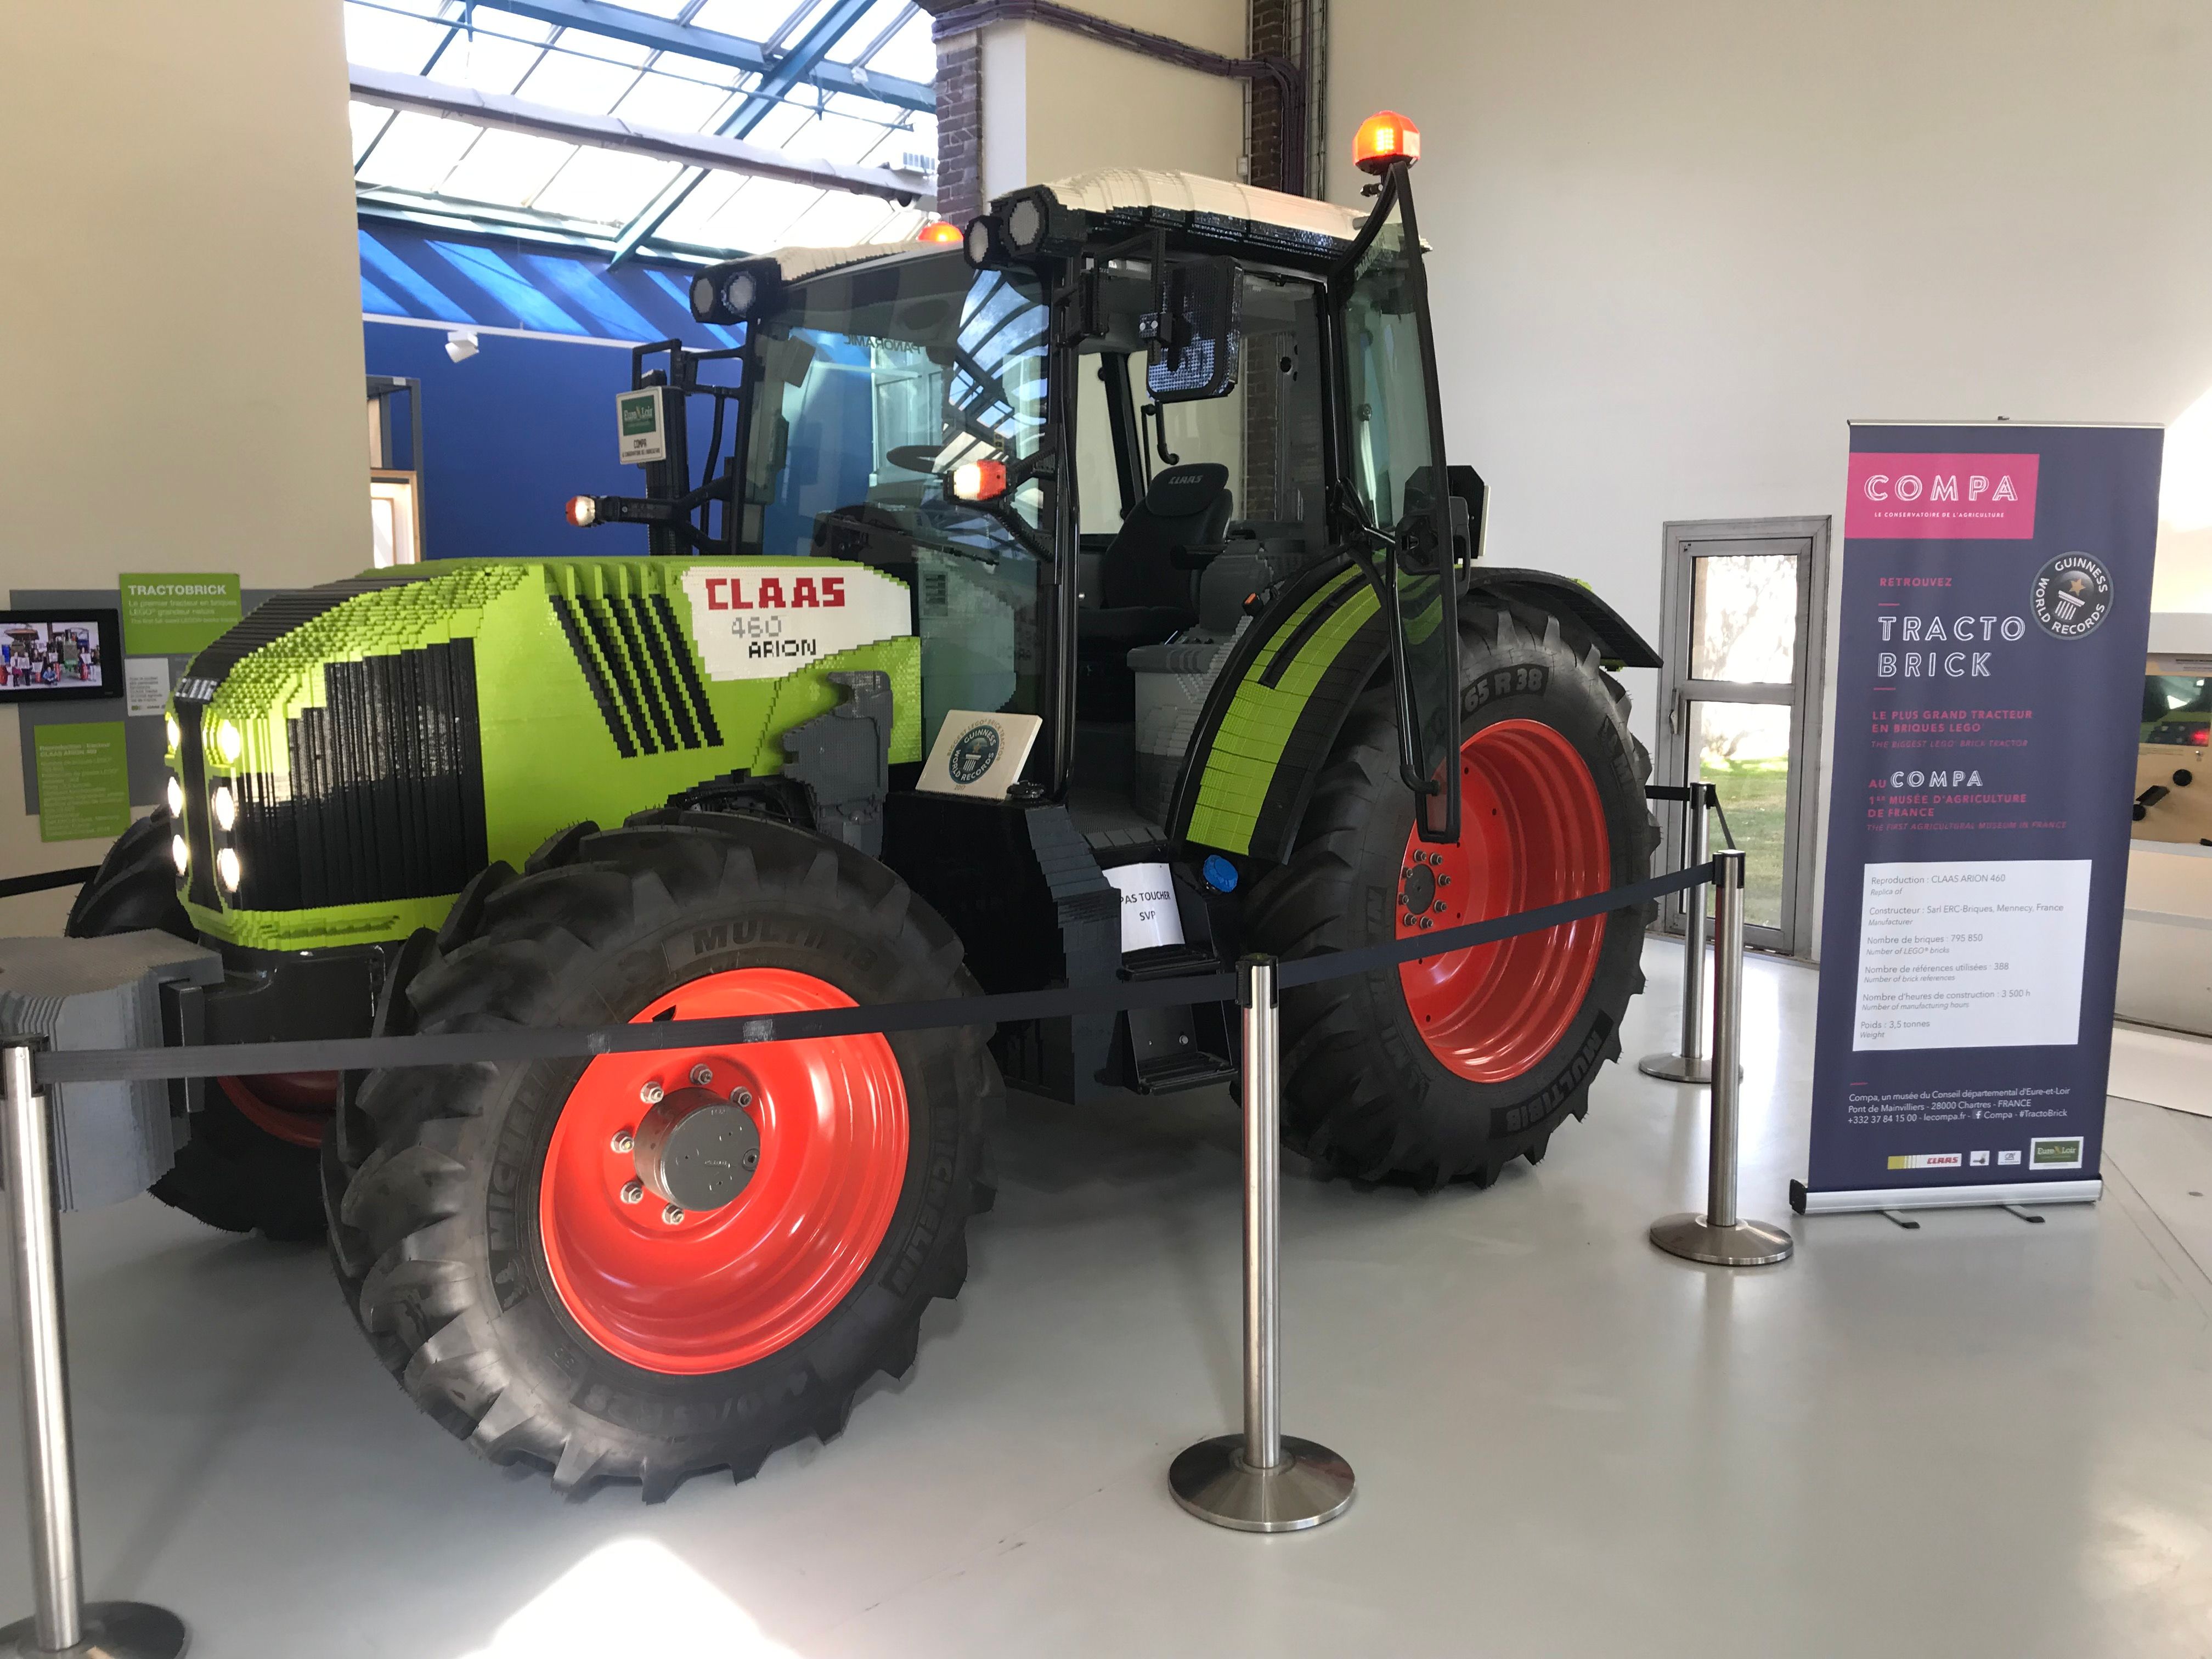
(1143, 194)
(1118, 202)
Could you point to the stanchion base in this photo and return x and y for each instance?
(1746, 1245)
(1212, 1480)
(1675, 1068)
(113, 1629)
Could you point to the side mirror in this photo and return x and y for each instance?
(1196, 330)
(1470, 512)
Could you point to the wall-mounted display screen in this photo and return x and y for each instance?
(59, 656)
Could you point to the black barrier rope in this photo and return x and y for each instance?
(45, 880)
(568, 1042)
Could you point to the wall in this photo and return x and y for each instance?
(183, 302)
(1676, 248)
(509, 436)
(1055, 104)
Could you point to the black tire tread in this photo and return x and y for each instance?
(397, 1233)
(1340, 1106)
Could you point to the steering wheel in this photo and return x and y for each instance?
(913, 458)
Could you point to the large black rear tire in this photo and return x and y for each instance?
(1364, 1090)
(231, 1173)
(448, 1230)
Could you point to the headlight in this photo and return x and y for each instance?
(702, 295)
(174, 793)
(229, 742)
(225, 804)
(176, 732)
(739, 293)
(179, 854)
(1025, 224)
(227, 868)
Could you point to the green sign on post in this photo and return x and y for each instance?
(168, 613)
(84, 782)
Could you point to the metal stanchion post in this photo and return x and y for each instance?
(1262, 1480)
(62, 1623)
(1691, 1065)
(1720, 1236)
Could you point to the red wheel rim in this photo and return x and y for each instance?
(729, 1286)
(1532, 832)
(296, 1107)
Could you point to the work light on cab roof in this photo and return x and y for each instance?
(1383, 137)
(940, 232)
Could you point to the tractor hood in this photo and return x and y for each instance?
(348, 756)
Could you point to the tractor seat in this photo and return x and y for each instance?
(1144, 596)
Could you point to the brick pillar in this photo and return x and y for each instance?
(1274, 34)
(960, 127)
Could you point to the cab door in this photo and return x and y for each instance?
(1392, 508)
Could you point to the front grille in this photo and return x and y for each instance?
(385, 797)
(639, 669)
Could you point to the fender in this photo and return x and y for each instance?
(1276, 707)
(1621, 645)
(1275, 712)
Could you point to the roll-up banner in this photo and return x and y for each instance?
(1995, 615)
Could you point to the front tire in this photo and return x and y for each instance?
(1449, 1067)
(485, 1238)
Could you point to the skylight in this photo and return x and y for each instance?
(454, 170)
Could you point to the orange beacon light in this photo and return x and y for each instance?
(1383, 137)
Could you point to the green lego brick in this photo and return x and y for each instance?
(1249, 749)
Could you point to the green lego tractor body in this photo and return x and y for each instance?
(417, 727)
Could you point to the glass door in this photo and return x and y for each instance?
(1740, 699)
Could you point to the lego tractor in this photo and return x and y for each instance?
(1091, 599)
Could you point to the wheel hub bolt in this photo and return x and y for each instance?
(702, 1075)
(623, 1141)
(741, 1096)
(650, 1094)
(753, 1159)
(633, 1191)
(671, 1215)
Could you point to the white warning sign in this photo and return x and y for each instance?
(760, 622)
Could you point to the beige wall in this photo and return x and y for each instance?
(180, 337)
(1056, 104)
(1677, 247)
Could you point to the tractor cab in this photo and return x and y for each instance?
(1099, 440)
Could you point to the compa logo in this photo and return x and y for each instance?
(1950, 497)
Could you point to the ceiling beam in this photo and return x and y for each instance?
(708, 152)
(659, 34)
(807, 54)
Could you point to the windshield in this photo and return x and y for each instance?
(873, 384)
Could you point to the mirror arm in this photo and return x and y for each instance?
(1157, 414)
(1353, 516)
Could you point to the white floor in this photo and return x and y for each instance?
(1981, 1437)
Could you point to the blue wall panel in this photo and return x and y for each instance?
(510, 434)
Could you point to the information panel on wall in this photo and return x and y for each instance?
(1995, 612)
